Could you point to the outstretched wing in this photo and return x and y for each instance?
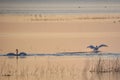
(102, 45)
(91, 46)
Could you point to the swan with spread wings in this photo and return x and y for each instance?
(96, 48)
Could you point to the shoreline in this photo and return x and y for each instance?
(57, 18)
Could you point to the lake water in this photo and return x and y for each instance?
(60, 7)
(58, 66)
(89, 9)
(53, 68)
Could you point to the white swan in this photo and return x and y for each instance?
(96, 48)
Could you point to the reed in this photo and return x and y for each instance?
(103, 65)
(48, 70)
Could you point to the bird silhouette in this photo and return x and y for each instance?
(17, 53)
(96, 48)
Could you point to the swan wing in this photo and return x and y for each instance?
(91, 46)
(103, 45)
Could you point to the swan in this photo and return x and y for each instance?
(17, 54)
(96, 48)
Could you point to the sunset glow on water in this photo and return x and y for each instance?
(59, 39)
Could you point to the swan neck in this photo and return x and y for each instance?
(16, 51)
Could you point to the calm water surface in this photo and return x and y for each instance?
(51, 68)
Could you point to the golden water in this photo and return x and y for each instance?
(51, 68)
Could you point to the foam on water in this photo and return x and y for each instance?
(71, 54)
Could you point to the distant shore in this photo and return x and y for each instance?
(42, 17)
